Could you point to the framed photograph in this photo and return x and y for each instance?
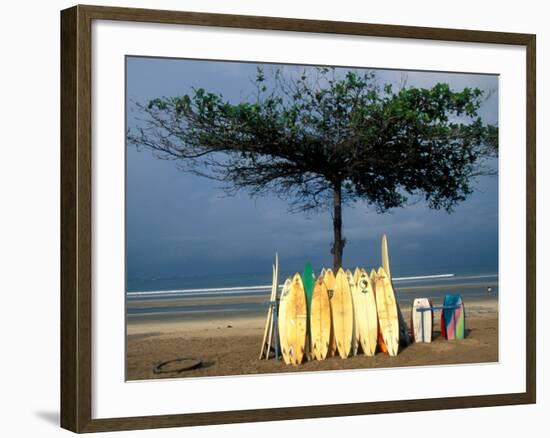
(304, 218)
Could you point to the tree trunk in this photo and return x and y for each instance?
(339, 242)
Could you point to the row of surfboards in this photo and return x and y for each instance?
(347, 313)
(334, 314)
(337, 314)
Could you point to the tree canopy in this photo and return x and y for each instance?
(322, 140)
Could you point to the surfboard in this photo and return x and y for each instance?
(452, 320)
(269, 324)
(380, 341)
(283, 303)
(296, 320)
(372, 277)
(385, 256)
(356, 274)
(342, 314)
(355, 332)
(330, 282)
(273, 298)
(308, 279)
(367, 314)
(320, 321)
(404, 338)
(386, 307)
(422, 322)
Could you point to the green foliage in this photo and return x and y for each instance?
(302, 137)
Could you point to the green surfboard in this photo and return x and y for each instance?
(308, 279)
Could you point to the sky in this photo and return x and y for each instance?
(178, 224)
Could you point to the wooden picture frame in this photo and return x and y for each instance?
(76, 217)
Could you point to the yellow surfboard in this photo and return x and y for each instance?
(373, 277)
(367, 314)
(386, 307)
(385, 256)
(356, 274)
(283, 302)
(381, 344)
(355, 332)
(404, 337)
(330, 282)
(342, 314)
(296, 320)
(320, 320)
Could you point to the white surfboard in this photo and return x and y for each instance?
(422, 322)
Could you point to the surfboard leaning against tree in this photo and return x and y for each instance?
(322, 140)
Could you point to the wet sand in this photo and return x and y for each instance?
(230, 345)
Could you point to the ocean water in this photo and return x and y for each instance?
(214, 296)
(211, 281)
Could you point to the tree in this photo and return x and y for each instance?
(324, 140)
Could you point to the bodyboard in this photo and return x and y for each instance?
(422, 322)
(452, 320)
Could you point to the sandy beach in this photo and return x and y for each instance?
(230, 343)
